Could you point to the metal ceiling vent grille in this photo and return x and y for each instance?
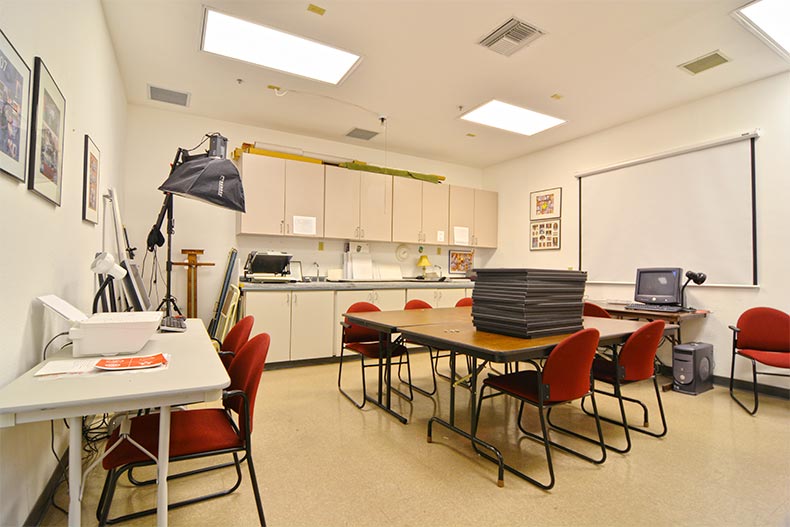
(361, 133)
(169, 96)
(705, 62)
(510, 37)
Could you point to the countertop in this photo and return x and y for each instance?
(351, 286)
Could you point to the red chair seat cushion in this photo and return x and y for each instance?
(777, 359)
(191, 432)
(371, 349)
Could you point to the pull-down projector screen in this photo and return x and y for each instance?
(693, 208)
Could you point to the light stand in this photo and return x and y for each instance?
(691, 276)
(207, 177)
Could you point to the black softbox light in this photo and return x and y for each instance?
(213, 180)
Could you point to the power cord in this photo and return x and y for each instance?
(44, 354)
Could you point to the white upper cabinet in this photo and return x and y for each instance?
(419, 212)
(282, 196)
(358, 205)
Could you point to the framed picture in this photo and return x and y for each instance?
(545, 204)
(48, 125)
(90, 182)
(544, 235)
(461, 262)
(14, 110)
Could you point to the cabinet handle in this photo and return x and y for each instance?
(363, 233)
(356, 232)
(282, 228)
(287, 228)
(295, 299)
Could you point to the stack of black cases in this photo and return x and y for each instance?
(528, 302)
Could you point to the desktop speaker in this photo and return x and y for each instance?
(692, 368)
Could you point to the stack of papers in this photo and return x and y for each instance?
(528, 302)
(81, 366)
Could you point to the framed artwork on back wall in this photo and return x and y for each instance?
(48, 125)
(545, 204)
(14, 110)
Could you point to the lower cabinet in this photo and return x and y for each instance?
(437, 297)
(385, 299)
(299, 322)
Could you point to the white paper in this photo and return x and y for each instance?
(304, 225)
(461, 235)
(55, 367)
(361, 266)
(439, 236)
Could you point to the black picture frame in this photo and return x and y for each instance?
(91, 172)
(14, 110)
(47, 134)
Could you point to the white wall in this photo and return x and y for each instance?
(764, 104)
(154, 136)
(49, 249)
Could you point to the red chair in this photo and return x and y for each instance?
(366, 343)
(464, 302)
(761, 335)
(594, 310)
(416, 303)
(235, 339)
(565, 377)
(634, 362)
(195, 434)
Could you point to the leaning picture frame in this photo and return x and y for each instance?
(545, 204)
(48, 127)
(14, 110)
(90, 181)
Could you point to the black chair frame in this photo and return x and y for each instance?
(617, 392)
(544, 438)
(378, 364)
(735, 353)
(113, 475)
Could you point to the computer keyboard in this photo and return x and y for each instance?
(176, 324)
(663, 308)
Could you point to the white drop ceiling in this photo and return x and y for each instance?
(612, 61)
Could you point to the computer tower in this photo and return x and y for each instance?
(692, 368)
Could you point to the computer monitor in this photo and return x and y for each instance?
(658, 285)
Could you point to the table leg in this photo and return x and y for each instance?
(162, 466)
(75, 470)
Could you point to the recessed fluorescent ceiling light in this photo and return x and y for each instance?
(238, 39)
(511, 118)
(770, 20)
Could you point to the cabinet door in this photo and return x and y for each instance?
(272, 312)
(435, 213)
(312, 327)
(486, 218)
(263, 178)
(304, 198)
(426, 295)
(389, 299)
(448, 297)
(462, 211)
(407, 210)
(341, 203)
(375, 207)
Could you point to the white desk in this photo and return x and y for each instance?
(194, 374)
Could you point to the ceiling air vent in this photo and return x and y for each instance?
(510, 37)
(360, 133)
(169, 96)
(705, 62)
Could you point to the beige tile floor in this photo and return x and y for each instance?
(322, 462)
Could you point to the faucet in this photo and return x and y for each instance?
(317, 271)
